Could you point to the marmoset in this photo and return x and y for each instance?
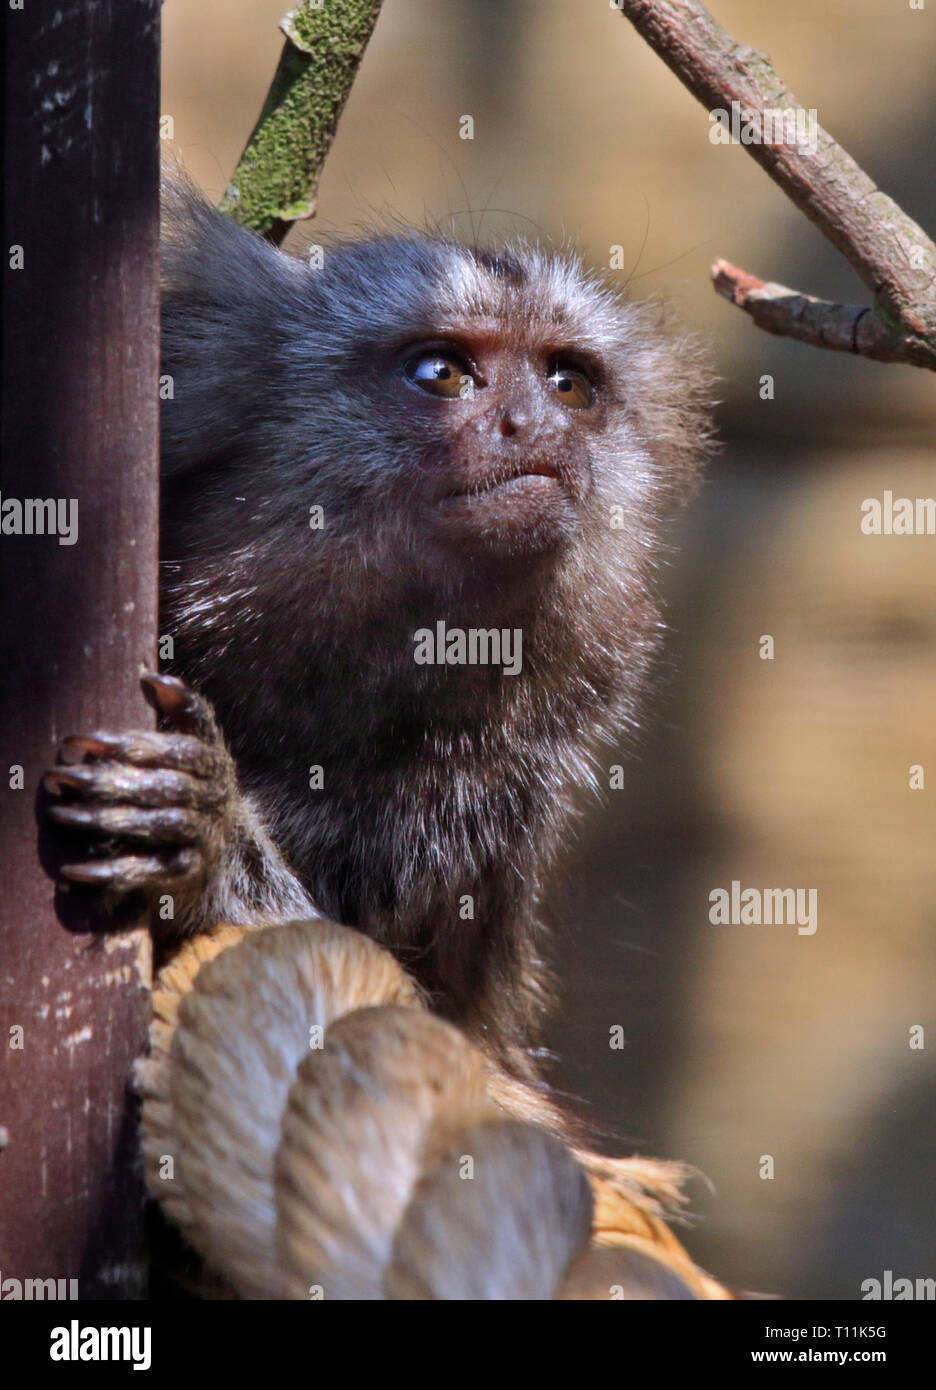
(380, 473)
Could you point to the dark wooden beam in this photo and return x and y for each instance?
(80, 383)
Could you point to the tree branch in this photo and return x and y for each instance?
(277, 176)
(892, 254)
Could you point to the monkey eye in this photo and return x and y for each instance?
(571, 385)
(440, 374)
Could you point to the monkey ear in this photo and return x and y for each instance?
(202, 249)
(671, 391)
(223, 291)
(184, 210)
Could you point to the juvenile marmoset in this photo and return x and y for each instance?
(493, 439)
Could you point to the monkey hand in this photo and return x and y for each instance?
(148, 811)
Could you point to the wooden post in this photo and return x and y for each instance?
(77, 614)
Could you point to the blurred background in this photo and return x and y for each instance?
(741, 1041)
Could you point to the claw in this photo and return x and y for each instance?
(80, 746)
(173, 700)
(167, 695)
(56, 780)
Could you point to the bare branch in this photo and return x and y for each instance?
(892, 254)
(276, 178)
(788, 313)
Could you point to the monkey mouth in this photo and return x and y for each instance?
(530, 478)
(510, 511)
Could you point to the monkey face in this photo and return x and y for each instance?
(508, 466)
(499, 406)
(469, 429)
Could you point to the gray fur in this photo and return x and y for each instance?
(439, 781)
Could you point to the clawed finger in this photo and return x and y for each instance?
(165, 826)
(133, 785)
(175, 752)
(129, 871)
(187, 711)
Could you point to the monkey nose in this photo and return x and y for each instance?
(510, 422)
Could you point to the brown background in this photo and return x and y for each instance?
(742, 1041)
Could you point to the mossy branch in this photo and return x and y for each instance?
(276, 179)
